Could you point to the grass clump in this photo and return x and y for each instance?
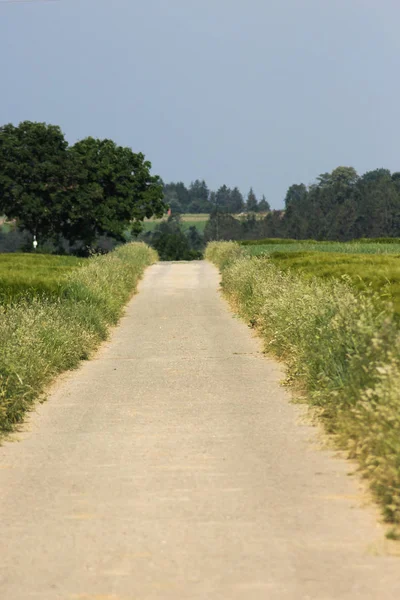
(45, 335)
(223, 254)
(342, 347)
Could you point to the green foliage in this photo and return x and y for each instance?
(341, 347)
(44, 335)
(226, 200)
(251, 202)
(114, 189)
(343, 206)
(173, 243)
(222, 226)
(339, 206)
(94, 188)
(263, 205)
(197, 198)
(34, 173)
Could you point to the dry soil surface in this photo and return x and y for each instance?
(173, 466)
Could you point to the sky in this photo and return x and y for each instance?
(262, 93)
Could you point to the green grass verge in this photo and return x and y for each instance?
(342, 348)
(44, 335)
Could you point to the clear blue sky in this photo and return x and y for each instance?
(257, 92)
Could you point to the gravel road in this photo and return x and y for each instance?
(173, 466)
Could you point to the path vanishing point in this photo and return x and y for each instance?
(173, 466)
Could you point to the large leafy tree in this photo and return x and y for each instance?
(35, 173)
(114, 190)
(91, 189)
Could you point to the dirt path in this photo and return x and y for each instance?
(173, 467)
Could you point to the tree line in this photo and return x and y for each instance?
(343, 205)
(77, 193)
(340, 206)
(198, 198)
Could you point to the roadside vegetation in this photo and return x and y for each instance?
(369, 266)
(60, 320)
(341, 347)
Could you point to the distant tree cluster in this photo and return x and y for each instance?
(75, 193)
(224, 226)
(340, 206)
(172, 242)
(197, 198)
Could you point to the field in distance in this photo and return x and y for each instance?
(28, 275)
(188, 220)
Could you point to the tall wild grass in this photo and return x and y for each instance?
(43, 335)
(341, 347)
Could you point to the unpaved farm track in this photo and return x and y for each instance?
(172, 466)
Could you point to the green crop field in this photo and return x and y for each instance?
(356, 247)
(28, 275)
(368, 266)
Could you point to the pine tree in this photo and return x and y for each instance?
(263, 205)
(251, 204)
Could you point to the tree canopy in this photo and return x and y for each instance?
(198, 198)
(34, 174)
(79, 192)
(340, 205)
